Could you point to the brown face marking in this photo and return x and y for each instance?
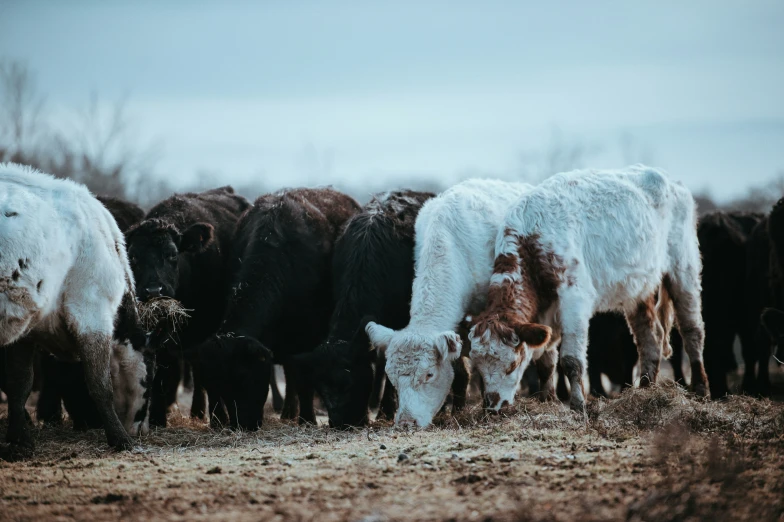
(15, 275)
(491, 399)
(515, 364)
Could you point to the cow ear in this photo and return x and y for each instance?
(380, 336)
(197, 238)
(773, 321)
(533, 335)
(449, 346)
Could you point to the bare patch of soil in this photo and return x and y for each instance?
(652, 454)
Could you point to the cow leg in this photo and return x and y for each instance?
(575, 314)
(219, 418)
(379, 378)
(648, 336)
(19, 384)
(561, 391)
(164, 388)
(290, 403)
(763, 361)
(198, 403)
(715, 365)
(95, 350)
(545, 369)
(305, 393)
(49, 408)
(676, 359)
(460, 383)
(388, 406)
(277, 398)
(684, 289)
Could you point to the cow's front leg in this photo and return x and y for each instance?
(95, 350)
(574, 344)
(460, 383)
(19, 363)
(545, 370)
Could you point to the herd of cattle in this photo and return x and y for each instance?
(586, 272)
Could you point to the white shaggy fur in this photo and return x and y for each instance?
(63, 273)
(455, 233)
(617, 236)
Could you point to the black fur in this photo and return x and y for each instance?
(125, 213)
(181, 247)
(373, 270)
(280, 299)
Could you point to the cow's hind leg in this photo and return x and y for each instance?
(684, 289)
(19, 363)
(460, 383)
(198, 403)
(95, 350)
(277, 398)
(290, 403)
(545, 369)
(49, 408)
(164, 387)
(648, 336)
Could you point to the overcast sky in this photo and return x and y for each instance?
(339, 92)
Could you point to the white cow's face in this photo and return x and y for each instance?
(501, 354)
(420, 368)
(131, 382)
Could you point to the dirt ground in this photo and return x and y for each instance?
(653, 454)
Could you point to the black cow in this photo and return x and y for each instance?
(180, 250)
(62, 382)
(280, 301)
(773, 321)
(764, 288)
(125, 213)
(373, 270)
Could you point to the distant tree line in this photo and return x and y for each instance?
(95, 146)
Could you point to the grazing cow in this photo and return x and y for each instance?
(723, 241)
(583, 242)
(63, 381)
(63, 275)
(764, 289)
(372, 272)
(280, 301)
(453, 263)
(180, 250)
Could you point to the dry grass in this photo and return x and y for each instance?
(155, 311)
(652, 454)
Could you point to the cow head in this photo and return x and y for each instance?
(419, 366)
(132, 370)
(237, 370)
(501, 348)
(155, 250)
(342, 374)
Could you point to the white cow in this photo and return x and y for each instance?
(63, 274)
(584, 242)
(455, 234)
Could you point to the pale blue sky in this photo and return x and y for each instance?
(343, 92)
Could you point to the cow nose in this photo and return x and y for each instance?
(153, 291)
(406, 421)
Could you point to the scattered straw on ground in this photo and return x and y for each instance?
(652, 454)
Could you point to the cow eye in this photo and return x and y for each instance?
(430, 375)
(172, 258)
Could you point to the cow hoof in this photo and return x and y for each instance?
(701, 390)
(124, 443)
(16, 452)
(577, 406)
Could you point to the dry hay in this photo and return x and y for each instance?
(155, 311)
(652, 454)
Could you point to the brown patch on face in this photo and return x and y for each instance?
(491, 399)
(514, 365)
